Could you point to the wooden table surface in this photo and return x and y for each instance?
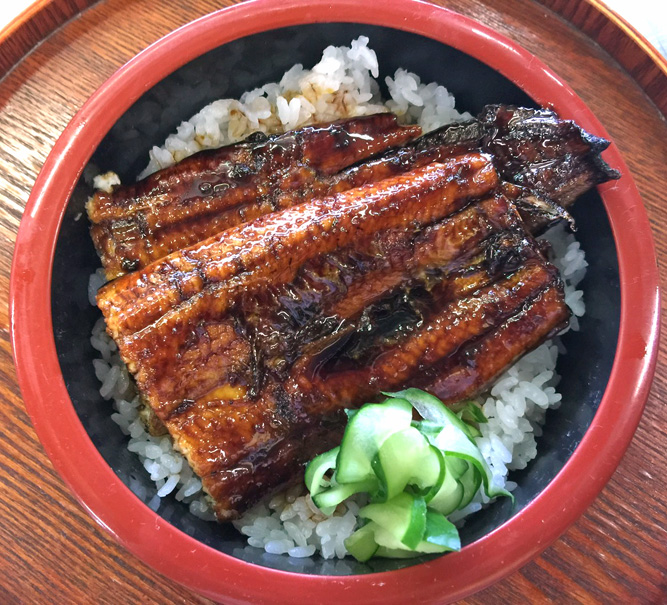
(52, 551)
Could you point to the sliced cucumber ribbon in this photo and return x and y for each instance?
(431, 409)
(407, 458)
(364, 434)
(317, 468)
(415, 471)
(452, 443)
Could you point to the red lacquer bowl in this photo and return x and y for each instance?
(51, 324)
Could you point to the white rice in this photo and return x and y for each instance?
(342, 84)
(106, 182)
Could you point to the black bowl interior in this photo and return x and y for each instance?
(227, 72)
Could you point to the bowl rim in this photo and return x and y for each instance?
(204, 569)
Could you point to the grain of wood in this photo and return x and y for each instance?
(33, 25)
(51, 551)
(633, 51)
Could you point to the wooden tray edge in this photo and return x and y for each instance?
(32, 26)
(621, 40)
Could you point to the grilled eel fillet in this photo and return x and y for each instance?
(249, 345)
(217, 189)
(551, 160)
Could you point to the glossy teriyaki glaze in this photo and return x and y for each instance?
(214, 190)
(248, 345)
(217, 189)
